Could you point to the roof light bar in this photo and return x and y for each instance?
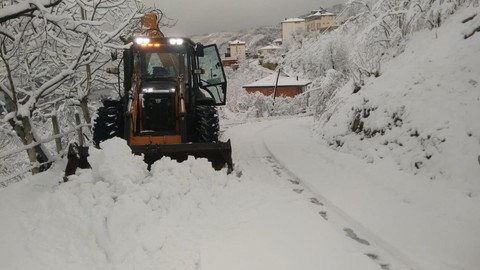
(176, 41)
(152, 90)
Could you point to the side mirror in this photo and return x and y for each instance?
(199, 51)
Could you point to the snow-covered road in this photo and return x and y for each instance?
(277, 224)
(396, 219)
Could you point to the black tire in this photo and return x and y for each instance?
(109, 122)
(207, 126)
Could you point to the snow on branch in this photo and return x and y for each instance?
(24, 7)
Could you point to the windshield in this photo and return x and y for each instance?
(163, 64)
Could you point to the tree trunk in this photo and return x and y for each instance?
(85, 111)
(23, 130)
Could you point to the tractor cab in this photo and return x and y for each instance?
(171, 77)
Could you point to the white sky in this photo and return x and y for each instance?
(207, 16)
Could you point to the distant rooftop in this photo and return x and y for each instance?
(319, 14)
(236, 42)
(293, 20)
(321, 10)
(270, 47)
(283, 80)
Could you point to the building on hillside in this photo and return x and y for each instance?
(320, 20)
(286, 86)
(236, 51)
(264, 51)
(291, 26)
(277, 42)
(269, 49)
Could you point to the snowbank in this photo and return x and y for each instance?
(117, 215)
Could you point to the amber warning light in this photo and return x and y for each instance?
(145, 42)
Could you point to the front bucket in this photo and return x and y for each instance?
(218, 153)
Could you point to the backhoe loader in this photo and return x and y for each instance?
(172, 87)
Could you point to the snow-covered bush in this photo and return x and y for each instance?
(332, 81)
(306, 59)
(248, 72)
(257, 105)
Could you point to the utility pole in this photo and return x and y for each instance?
(275, 88)
(276, 84)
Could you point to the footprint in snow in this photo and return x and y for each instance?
(315, 201)
(354, 236)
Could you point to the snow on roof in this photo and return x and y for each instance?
(319, 14)
(283, 80)
(269, 47)
(293, 20)
(236, 42)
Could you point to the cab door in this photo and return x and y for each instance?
(212, 79)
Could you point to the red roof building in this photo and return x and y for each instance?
(286, 86)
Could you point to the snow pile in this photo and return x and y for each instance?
(422, 111)
(117, 215)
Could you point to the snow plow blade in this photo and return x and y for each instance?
(218, 153)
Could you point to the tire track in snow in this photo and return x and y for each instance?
(385, 255)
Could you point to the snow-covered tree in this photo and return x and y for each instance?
(45, 46)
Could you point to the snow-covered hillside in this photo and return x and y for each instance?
(422, 112)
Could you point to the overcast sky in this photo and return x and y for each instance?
(207, 16)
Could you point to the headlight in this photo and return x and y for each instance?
(176, 41)
(142, 40)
